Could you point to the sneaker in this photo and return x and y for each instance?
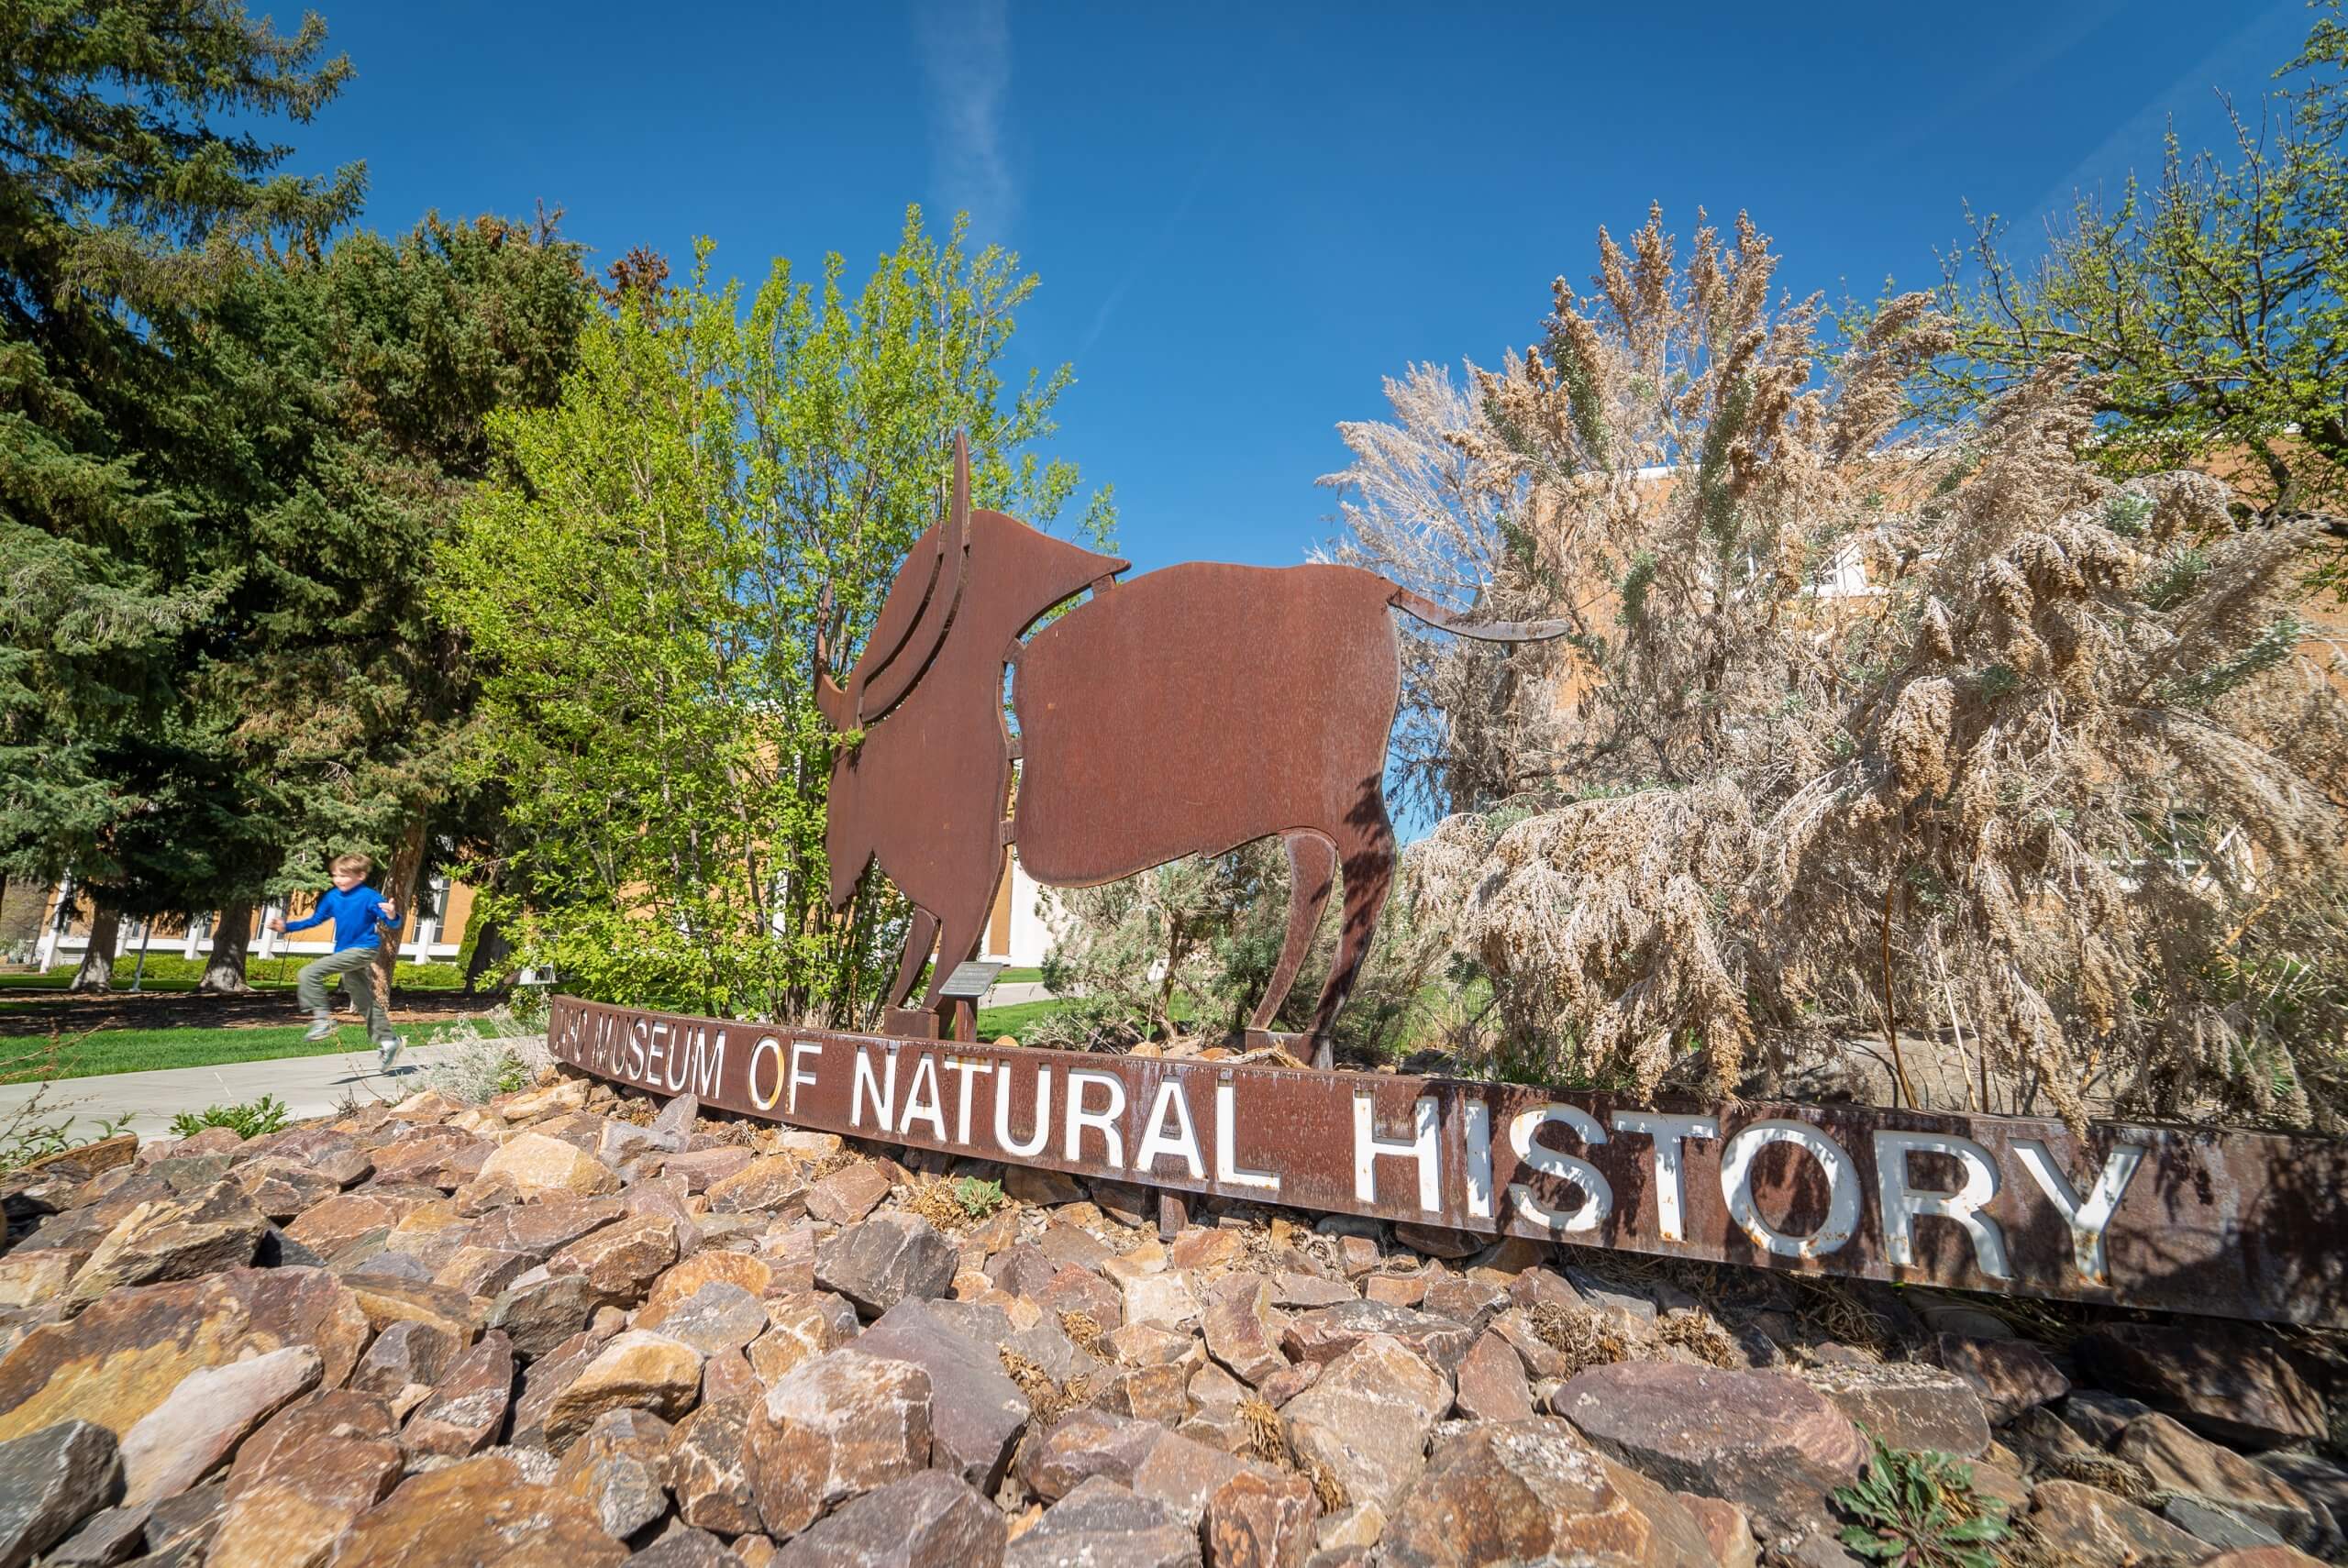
(322, 1029)
(387, 1051)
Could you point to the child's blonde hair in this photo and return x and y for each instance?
(359, 863)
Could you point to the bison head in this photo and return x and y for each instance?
(970, 585)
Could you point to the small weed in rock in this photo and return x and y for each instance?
(251, 1119)
(977, 1199)
(1918, 1510)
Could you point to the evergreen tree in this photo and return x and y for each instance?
(131, 197)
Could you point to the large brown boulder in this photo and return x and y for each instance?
(175, 1444)
(173, 1238)
(1765, 1439)
(121, 1357)
(836, 1428)
(1367, 1419)
(2222, 1382)
(1517, 1491)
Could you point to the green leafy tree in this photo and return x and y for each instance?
(132, 191)
(642, 583)
(2207, 302)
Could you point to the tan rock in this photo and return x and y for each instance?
(1206, 1250)
(747, 1270)
(124, 1354)
(387, 1301)
(478, 1513)
(849, 1194)
(794, 1336)
(2090, 1528)
(1517, 1491)
(344, 1218)
(290, 1515)
(1259, 1521)
(1162, 1300)
(31, 1278)
(541, 1167)
(201, 1420)
(620, 1262)
(771, 1182)
(636, 1369)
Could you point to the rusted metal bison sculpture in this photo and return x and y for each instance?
(1190, 710)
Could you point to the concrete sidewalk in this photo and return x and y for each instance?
(310, 1085)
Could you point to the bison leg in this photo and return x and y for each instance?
(919, 937)
(1366, 849)
(960, 946)
(1311, 872)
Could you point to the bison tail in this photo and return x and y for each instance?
(1420, 607)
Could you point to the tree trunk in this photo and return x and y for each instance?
(489, 952)
(96, 973)
(399, 886)
(232, 939)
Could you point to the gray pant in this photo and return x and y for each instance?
(356, 967)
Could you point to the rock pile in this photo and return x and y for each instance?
(556, 1329)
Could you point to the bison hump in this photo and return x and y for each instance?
(1197, 708)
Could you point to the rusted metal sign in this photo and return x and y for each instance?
(1227, 665)
(2233, 1224)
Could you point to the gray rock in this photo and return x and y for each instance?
(929, 1520)
(685, 1548)
(49, 1481)
(105, 1538)
(673, 1128)
(886, 1259)
(1102, 1525)
(2221, 1526)
(976, 1412)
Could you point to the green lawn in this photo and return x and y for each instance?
(994, 1022)
(1019, 977)
(141, 1050)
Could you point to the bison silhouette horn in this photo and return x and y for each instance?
(1188, 710)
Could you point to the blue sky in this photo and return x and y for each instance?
(1244, 216)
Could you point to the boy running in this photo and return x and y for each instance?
(357, 913)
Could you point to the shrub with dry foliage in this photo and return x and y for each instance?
(1860, 728)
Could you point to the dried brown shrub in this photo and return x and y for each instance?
(1861, 729)
(1084, 1332)
(1584, 1336)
